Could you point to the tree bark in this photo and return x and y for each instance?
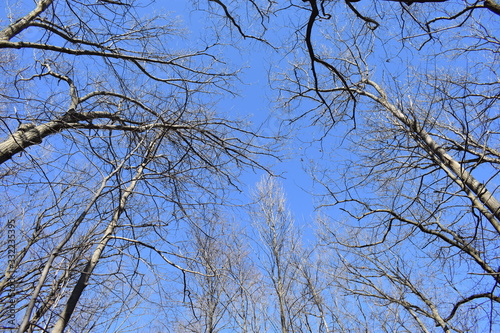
(15, 28)
(27, 136)
(493, 6)
(85, 276)
(82, 283)
(480, 195)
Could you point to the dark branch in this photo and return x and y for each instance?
(469, 299)
(314, 59)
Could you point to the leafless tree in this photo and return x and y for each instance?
(413, 180)
(420, 172)
(290, 270)
(110, 138)
(279, 243)
(227, 293)
(112, 146)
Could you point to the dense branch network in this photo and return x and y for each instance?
(106, 96)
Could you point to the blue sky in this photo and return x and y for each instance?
(260, 103)
(257, 101)
(389, 63)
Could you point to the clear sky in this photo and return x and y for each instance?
(391, 55)
(259, 102)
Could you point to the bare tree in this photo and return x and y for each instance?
(112, 145)
(110, 139)
(227, 293)
(275, 228)
(413, 182)
(290, 270)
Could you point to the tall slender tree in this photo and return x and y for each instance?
(110, 135)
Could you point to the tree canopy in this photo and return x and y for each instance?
(129, 130)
